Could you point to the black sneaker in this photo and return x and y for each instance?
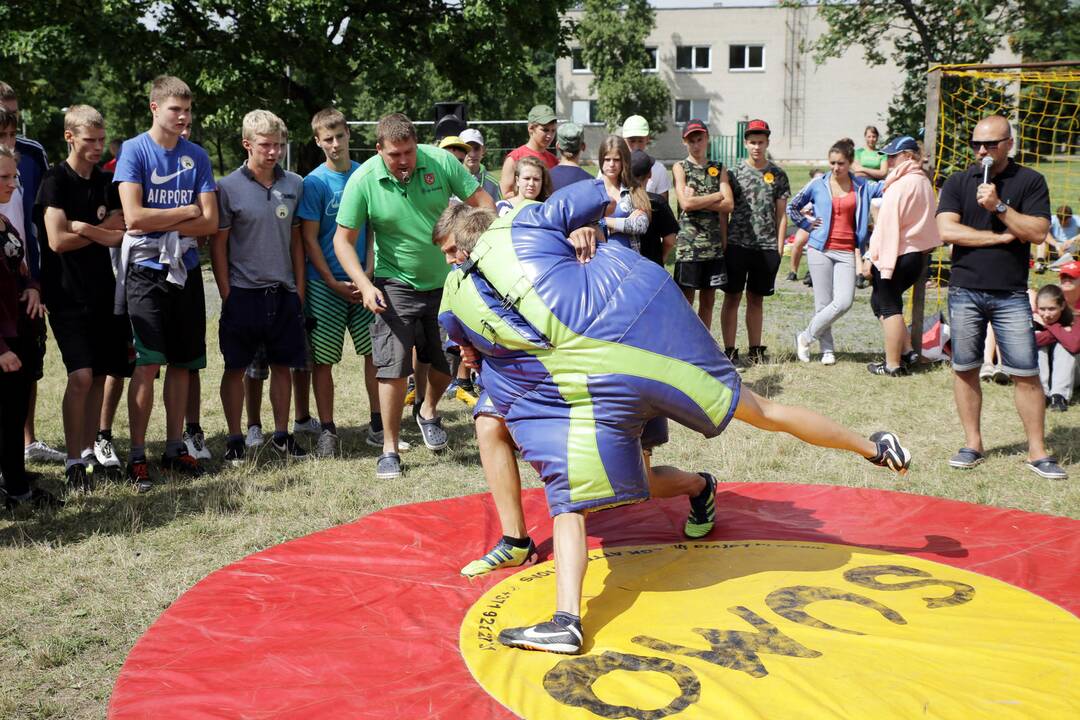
(547, 636)
(792, 277)
(138, 474)
(702, 518)
(77, 479)
(183, 464)
(288, 449)
(890, 454)
(910, 359)
(861, 281)
(732, 354)
(808, 281)
(235, 452)
(36, 499)
(757, 354)
(1058, 403)
(880, 368)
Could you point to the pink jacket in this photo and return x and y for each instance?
(905, 222)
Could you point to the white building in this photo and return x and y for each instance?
(728, 62)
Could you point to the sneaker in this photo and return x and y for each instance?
(311, 426)
(1048, 468)
(196, 445)
(1000, 376)
(467, 394)
(702, 516)
(35, 499)
(502, 555)
(288, 449)
(732, 354)
(138, 474)
(375, 439)
(828, 358)
(1058, 403)
(77, 480)
(183, 464)
(254, 436)
(757, 354)
(802, 348)
(388, 466)
(861, 281)
(880, 368)
(235, 453)
(105, 454)
(808, 281)
(327, 446)
(792, 277)
(909, 360)
(410, 392)
(432, 432)
(547, 636)
(38, 451)
(986, 372)
(890, 453)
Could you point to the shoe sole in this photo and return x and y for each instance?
(965, 466)
(1045, 475)
(556, 648)
(388, 476)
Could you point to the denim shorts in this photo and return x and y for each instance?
(1009, 313)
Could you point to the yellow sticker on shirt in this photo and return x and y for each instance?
(713, 172)
(769, 177)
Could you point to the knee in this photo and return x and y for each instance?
(80, 381)
(489, 430)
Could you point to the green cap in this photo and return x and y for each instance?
(569, 136)
(635, 126)
(541, 114)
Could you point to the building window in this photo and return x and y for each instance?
(653, 63)
(693, 57)
(746, 58)
(577, 63)
(584, 112)
(687, 110)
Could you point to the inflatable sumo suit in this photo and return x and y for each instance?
(577, 357)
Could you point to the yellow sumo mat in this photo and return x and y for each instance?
(780, 630)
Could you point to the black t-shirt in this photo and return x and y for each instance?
(998, 267)
(563, 175)
(80, 278)
(663, 223)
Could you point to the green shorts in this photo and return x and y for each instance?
(329, 314)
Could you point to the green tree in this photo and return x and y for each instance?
(612, 35)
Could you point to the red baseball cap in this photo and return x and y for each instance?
(694, 126)
(756, 126)
(1070, 270)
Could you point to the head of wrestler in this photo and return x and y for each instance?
(457, 230)
(395, 140)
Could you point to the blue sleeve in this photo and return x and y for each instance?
(572, 207)
(797, 203)
(875, 188)
(310, 207)
(128, 167)
(204, 173)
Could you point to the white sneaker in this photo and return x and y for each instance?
(827, 358)
(254, 436)
(38, 451)
(375, 439)
(802, 348)
(986, 372)
(105, 454)
(311, 427)
(327, 446)
(196, 446)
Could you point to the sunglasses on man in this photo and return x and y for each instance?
(988, 144)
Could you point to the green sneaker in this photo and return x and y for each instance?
(502, 555)
(702, 516)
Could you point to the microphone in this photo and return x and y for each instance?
(986, 163)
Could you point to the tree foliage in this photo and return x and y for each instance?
(612, 37)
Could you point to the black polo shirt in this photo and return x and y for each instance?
(998, 267)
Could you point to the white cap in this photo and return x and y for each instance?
(471, 135)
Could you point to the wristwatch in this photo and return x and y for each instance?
(1000, 208)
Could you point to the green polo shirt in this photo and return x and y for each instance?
(402, 215)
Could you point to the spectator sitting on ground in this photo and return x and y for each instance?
(1058, 338)
(1063, 238)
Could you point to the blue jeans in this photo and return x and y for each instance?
(1009, 313)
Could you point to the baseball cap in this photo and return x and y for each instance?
(541, 114)
(1071, 270)
(471, 135)
(900, 144)
(453, 141)
(569, 136)
(694, 126)
(757, 126)
(635, 126)
(640, 163)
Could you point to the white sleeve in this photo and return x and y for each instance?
(660, 182)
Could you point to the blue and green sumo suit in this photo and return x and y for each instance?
(577, 357)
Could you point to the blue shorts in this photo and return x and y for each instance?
(269, 319)
(1009, 313)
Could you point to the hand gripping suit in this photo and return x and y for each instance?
(578, 356)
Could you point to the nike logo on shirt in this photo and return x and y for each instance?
(158, 179)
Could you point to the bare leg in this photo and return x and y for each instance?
(706, 302)
(371, 384)
(437, 382)
(141, 402)
(176, 399)
(301, 386)
(323, 380)
(570, 561)
(74, 409)
(968, 395)
(897, 339)
(755, 305)
(667, 481)
(420, 378)
(391, 400)
(688, 293)
(501, 472)
(114, 388)
(1031, 404)
(232, 399)
(253, 393)
(31, 413)
(92, 411)
(989, 352)
(800, 422)
(729, 318)
(280, 389)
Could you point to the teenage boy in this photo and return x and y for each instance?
(474, 162)
(332, 303)
(167, 191)
(635, 131)
(78, 213)
(570, 142)
(258, 260)
(542, 126)
(701, 185)
(398, 195)
(755, 241)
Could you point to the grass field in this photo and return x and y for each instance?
(80, 587)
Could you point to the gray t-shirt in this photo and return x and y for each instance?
(260, 222)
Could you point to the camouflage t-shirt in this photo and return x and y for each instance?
(699, 235)
(753, 221)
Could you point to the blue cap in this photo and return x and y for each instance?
(904, 142)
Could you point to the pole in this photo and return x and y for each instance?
(930, 137)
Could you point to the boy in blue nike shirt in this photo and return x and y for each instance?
(168, 194)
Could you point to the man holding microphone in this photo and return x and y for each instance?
(991, 213)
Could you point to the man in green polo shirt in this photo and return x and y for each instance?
(399, 194)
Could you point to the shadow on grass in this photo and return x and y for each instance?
(767, 386)
(1063, 443)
